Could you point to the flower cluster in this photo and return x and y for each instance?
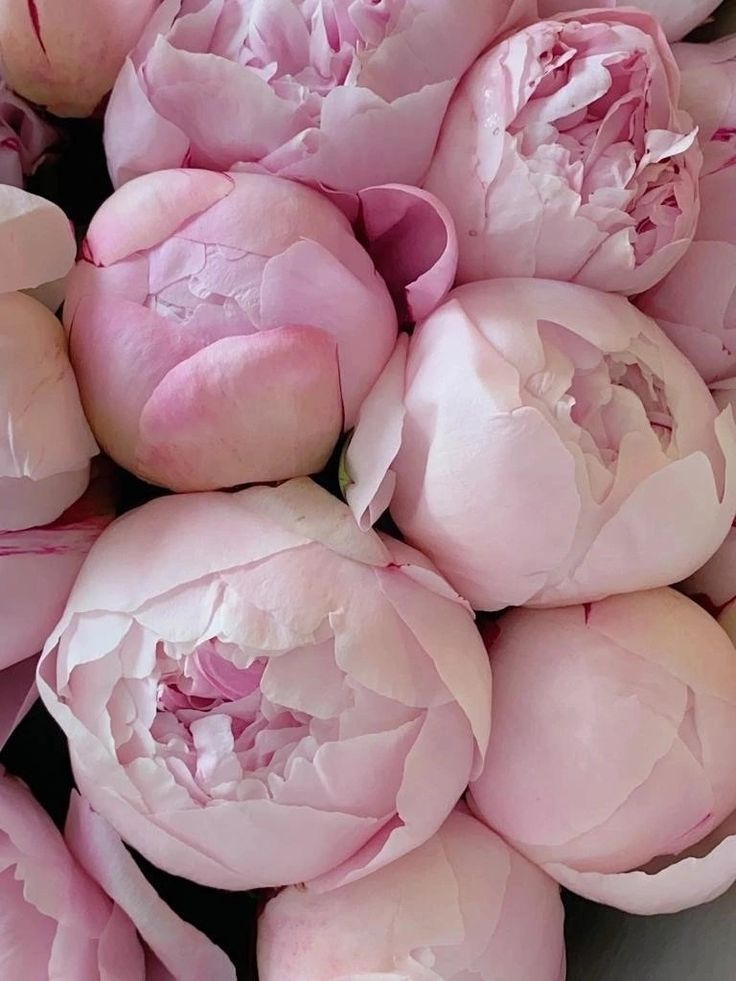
(367, 482)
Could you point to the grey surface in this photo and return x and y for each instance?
(696, 945)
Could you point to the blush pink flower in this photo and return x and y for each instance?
(340, 93)
(696, 303)
(565, 155)
(65, 56)
(613, 732)
(677, 17)
(540, 441)
(203, 298)
(461, 906)
(273, 696)
(57, 922)
(24, 138)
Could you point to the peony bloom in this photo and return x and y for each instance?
(297, 699)
(696, 303)
(544, 443)
(339, 93)
(201, 300)
(677, 17)
(564, 155)
(65, 56)
(614, 726)
(24, 138)
(57, 922)
(461, 906)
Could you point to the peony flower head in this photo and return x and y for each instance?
(295, 700)
(677, 17)
(564, 155)
(696, 303)
(340, 93)
(461, 906)
(613, 733)
(65, 56)
(200, 300)
(546, 444)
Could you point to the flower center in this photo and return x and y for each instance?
(588, 127)
(598, 400)
(308, 47)
(213, 725)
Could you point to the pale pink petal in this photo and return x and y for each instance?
(412, 240)
(37, 240)
(161, 204)
(375, 442)
(257, 390)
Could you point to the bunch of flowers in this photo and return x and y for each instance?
(367, 483)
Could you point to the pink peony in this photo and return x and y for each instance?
(461, 906)
(272, 695)
(696, 303)
(65, 55)
(677, 17)
(614, 726)
(24, 138)
(56, 921)
(546, 444)
(342, 93)
(203, 298)
(564, 155)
